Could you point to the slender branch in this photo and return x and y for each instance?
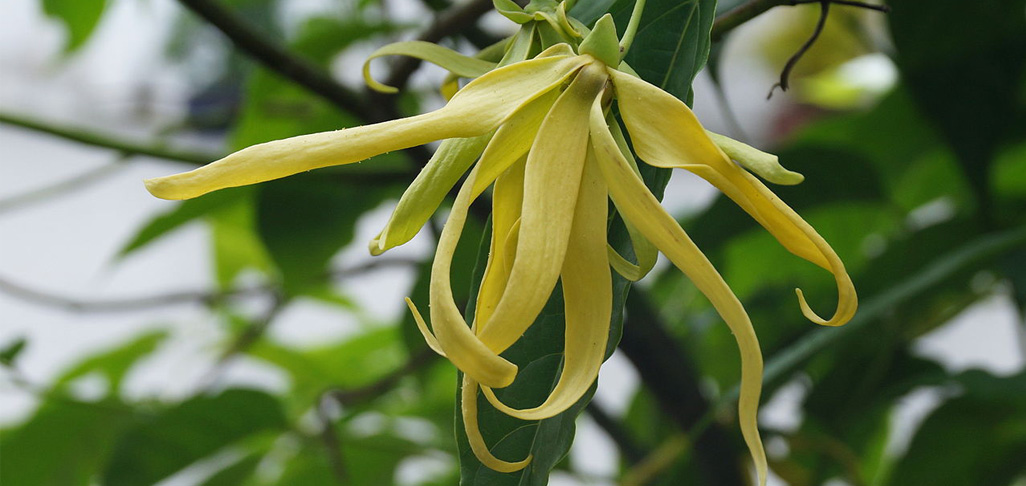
(332, 442)
(206, 297)
(754, 8)
(249, 39)
(121, 146)
(452, 21)
(355, 396)
(629, 448)
(668, 374)
(785, 74)
(75, 183)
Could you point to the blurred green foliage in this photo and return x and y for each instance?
(950, 135)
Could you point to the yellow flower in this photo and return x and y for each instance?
(541, 136)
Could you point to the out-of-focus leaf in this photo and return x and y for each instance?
(363, 461)
(192, 430)
(355, 362)
(183, 213)
(321, 38)
(234, 238)
(65, 443)
(964, 71)
(978, 438)
(114, 364)
(10, 352)
(80, 18)
(237, 474)
(305, 219)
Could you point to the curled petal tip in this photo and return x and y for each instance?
(840, 318)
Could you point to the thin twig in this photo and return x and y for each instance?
(629, 448)
(448, 23)
(80, 181)
(332, 442)
(754, 8)
(785, 74)
(206, 297)
(103, 141)
(355, 396)
(249, 39)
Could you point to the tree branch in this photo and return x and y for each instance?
(448, 23)
(102, 141)
(249, 39)
(355, 396)
(668, 374)
(206, 297)
(754, 8)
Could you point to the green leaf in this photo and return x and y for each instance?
(114, 364)
(364, 461)
(964, 72)
(305, 219)
(978, 438)
(10, 352)
(65, 443)
(235, 242)
(187, 432)
(80, 18)
(672, 43)
(185, 212)
(237, 474)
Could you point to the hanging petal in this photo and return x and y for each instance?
(477, 109)
(551, 183)
(588, 300)
(666, 134)
(448, 59)
(645, 253)
(468, 405)
(420, 200)
(455, 338)
(507, 199)
(639, 206)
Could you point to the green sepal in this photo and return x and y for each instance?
(512, 11)
(602, 43)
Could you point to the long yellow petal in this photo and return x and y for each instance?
(588, 301)
(507, 199)
(639, 206)
(666, 134)
(477, 109)
(468, 402)
(456, 339)
(420, 200)
(552, 180)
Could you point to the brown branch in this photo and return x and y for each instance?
(103, 141)
(355, 396)
(249, 39)
(206, 297)
(332, 443)
(445, 24)
(785, 74)
(754, 8)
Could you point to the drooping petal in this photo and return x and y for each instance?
(420, 200)
(551, 182)
(424, 329)
(666, 134)
(468, 405)
(644, 252)
(507, 200)
(451, 161)
(638, 205)
(477, 109)
(448, 59)
(454, 337)
(588, 300)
